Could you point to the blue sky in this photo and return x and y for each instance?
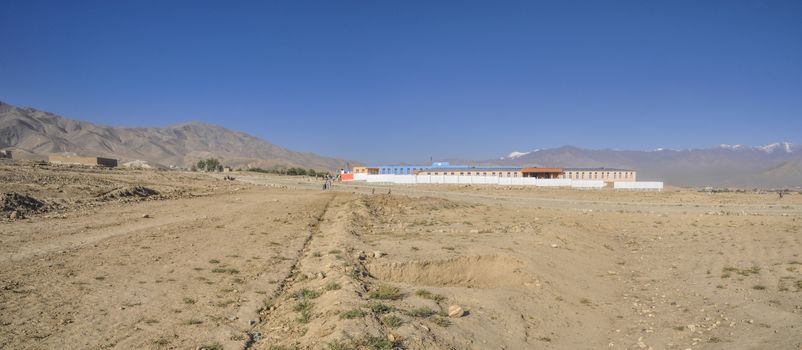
(404, 80)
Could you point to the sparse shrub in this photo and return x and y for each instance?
(386, 292)
(229, 270)
(376, 342)
(429, 295)
(352, 314)
(379, 308)
(392, 321)
(441, 321)
(758, 287)
(338, 345)
(754, 270)
(332, 286)
(304, 308)
(193, 321)
(214, 261)
(305, 294)
(420, 312)
(189, 301)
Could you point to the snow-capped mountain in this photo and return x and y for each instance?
(516, 154)
(786, 147)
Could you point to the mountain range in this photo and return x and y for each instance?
(34, 134)
(774, 165)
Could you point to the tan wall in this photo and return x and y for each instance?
(91, 161)
(500, 173)
(604, 175)
(360, 170)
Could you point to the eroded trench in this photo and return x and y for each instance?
(480, 271)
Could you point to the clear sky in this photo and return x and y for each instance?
(404, 80)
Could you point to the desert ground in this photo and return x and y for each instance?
(145, 259)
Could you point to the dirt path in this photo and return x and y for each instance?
(195, 273)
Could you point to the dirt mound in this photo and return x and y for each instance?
(489, 271)
(20, 203)
(129, 192)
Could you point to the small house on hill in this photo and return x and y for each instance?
(90, 161)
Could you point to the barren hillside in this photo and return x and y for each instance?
(31, 133)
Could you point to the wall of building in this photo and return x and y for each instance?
(606, 175)
(472, 172)
(643, 185)
(483, 180)
(90, 161)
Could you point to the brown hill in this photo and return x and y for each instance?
(32, 133)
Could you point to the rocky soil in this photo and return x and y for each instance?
(153, 259)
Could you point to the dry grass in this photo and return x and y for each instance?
(350, 314)
(386, 292)
(429, 295)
